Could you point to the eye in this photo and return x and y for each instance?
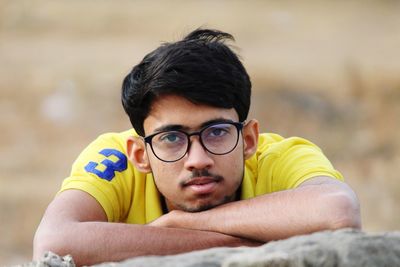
(218, 130)
(171, 137)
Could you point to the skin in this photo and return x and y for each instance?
(223, 173)
(320, 203)
(76, 224)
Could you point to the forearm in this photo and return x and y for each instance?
(279, 215)
(94, 242)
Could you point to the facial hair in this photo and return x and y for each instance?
(207, 206)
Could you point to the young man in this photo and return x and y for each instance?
(194, 173)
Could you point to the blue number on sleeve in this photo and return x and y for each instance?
(111, 166)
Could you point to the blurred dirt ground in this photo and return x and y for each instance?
(326, 71)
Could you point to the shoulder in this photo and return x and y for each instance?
(272, 147)
(277, 153)
(114, 138)
(271, 144)
(289, 161)
(108, 149)
(283, 154)
(111, 140)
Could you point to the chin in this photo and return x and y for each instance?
(202, 206)
(199, 208)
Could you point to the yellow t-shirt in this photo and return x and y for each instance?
(127, 195)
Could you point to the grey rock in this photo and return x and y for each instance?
(340, 248)
(346, 247)
(50, 259)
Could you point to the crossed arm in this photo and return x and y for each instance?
(75, 223)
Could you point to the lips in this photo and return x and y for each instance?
(202, 185)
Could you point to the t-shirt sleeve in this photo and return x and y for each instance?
(103, 171)
(293, 161)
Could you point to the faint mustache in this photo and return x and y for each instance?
(201, 173)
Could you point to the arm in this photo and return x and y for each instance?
(75, 223)
(320, 203)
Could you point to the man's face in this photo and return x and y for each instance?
(200, 180)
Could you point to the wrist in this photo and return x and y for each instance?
(180, 219)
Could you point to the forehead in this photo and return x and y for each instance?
(176, 110)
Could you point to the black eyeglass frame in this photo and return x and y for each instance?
(239, 126)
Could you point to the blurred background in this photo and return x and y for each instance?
(324, 70)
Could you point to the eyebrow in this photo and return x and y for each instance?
(179, 127)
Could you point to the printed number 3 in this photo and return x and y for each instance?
(111, 166)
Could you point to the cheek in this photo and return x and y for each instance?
(231, 167)
(165, 175)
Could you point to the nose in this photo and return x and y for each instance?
(197, 157)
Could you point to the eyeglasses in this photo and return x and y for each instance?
(218, 139)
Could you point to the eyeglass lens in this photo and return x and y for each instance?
(217, 139)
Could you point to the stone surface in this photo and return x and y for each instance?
(331, 249)
(328, 249)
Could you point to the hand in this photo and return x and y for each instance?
(170, 219)
(188, 220)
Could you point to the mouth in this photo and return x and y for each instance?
(202, 185)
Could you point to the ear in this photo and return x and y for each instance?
(136, 150)
(250, 138)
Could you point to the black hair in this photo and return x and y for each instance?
(202, 68)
